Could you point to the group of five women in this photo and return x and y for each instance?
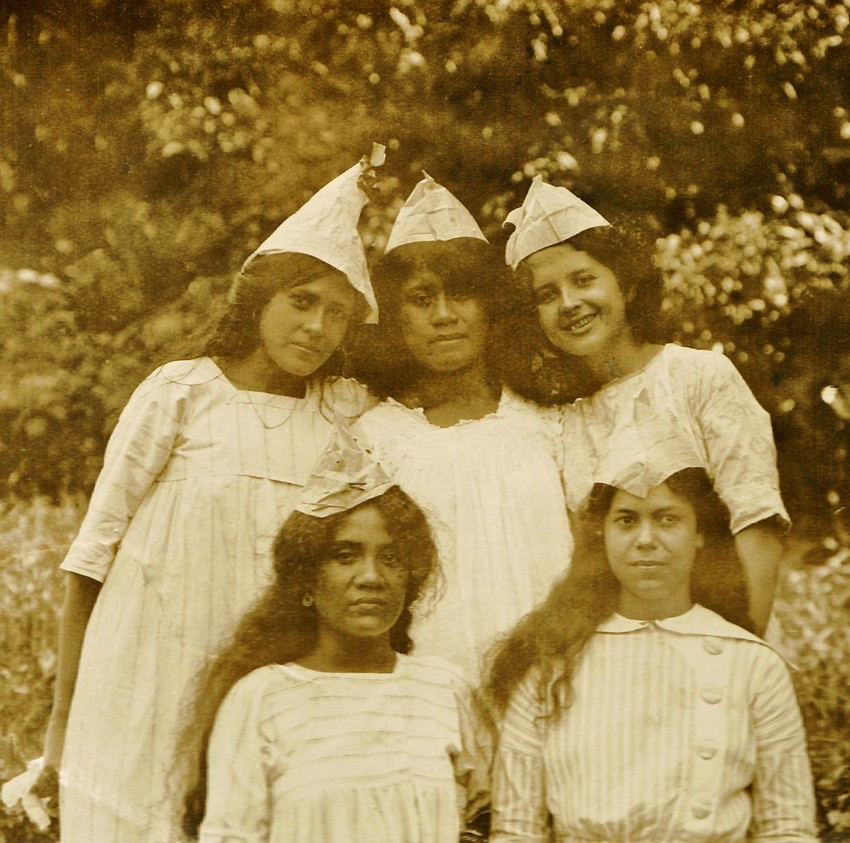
(227, 678)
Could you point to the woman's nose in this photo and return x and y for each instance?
(646, 534)
(314, 320)
(369, 571)
(568, 299)
(443, 310)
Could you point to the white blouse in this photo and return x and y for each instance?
(686, 408)
(684, 730)
(302, 756)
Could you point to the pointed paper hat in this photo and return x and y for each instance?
(326, 228)
(549, 215)
(432, 213)
(345, 475)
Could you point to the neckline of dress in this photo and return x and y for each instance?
(419, 412)
(637, 372)
(266, 398)
(311, 672)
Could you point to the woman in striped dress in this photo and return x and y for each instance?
(312, 724)
(207, 459)
(636, 704)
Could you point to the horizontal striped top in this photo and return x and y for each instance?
(671, 724)
(301, 756)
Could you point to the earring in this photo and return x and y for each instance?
(307, 600)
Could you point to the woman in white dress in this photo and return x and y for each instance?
(207, 459)
(636, 705)
(650, 409)
(312, 724)
(478, 459)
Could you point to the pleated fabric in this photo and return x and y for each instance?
(197, 479)
(301, 756)
(492, 493)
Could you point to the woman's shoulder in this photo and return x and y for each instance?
(434, 670)
(195, 372)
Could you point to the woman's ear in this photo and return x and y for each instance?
(700, 541)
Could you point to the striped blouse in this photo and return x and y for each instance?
(302, 756)
(684, 730)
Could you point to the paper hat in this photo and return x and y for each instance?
(432, 213)
(326, 228)
(344, 476)
(549, 215)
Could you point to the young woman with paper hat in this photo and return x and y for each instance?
(207, 458)
(313, 724)
(477, 458)
(598, 300)
(636, 703)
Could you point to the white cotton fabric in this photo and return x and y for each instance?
(198, 477)
(493, 497)
(670, 725)
(686, 408)
(302, 756)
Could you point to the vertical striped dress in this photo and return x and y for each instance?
(684, 730)
(197, 479)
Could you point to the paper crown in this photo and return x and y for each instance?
(549, 215)
(432, 213)
(345, 475)
(325, 227)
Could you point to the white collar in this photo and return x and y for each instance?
(696, 621)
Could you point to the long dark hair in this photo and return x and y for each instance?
(280, 629)
(553, 637)
(627, 250)
(377, 354)
(233, 330)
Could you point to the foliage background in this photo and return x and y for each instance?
(146, 147)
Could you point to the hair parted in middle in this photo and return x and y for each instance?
(553, 637)
(281, 628)
(467, 266)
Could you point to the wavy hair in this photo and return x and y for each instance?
(626, 249)
(378, 356)
(233, 330)
(280, 629)
(553, 637)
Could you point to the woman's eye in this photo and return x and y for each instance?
(339, 314)
(300, 302)
(584, 279)
(460, 296)
(544, 295)
(345, 557)
(390, 559)
(421, 300)
(669, 520)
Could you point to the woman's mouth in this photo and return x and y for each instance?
(575, 326)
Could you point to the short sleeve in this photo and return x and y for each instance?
(783, 795)
(520, 813)
(237, 808)
(138, 450)
(738, 438)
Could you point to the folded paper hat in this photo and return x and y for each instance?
(549, 215)
(325, 227)
(345, 475)
(432, 213)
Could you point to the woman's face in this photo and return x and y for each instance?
(444, 331)
(579, 302)
(360, 588)
(302, 326)
(651, 544)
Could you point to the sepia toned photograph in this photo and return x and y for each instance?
(424, 421)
